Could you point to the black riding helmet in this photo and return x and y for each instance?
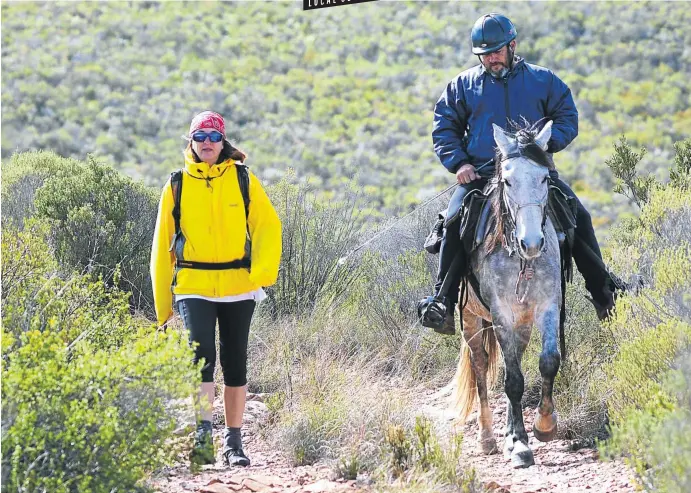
(491, 32)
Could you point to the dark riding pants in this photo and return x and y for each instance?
(595, 277)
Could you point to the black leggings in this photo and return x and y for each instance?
(199, 317)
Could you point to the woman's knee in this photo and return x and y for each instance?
(235, 374)
(208, 356)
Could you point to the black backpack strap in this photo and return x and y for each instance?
(244, 182)
(176, 187)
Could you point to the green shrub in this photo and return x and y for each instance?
(100, 220)
(316, 234)
(637, 371)
(647, 377)
(37, 296)
(656, 439)
(418, 457)
(680, 174)
(89, 420)
(90, 400)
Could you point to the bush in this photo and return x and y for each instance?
(418, 458)
(37, 296)
(100, 220)
(657, 437)
(316, 234)
(338, 410)
(647, 376)
(89, 399)
(89, 420)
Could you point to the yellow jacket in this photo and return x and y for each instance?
(213, 223)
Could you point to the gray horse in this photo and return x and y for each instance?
(518, 272)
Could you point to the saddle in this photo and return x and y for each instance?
(476, 221)
(476, 218)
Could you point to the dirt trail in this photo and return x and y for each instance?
(270, 472)
(556, 469)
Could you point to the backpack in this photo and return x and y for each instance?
(178, 243)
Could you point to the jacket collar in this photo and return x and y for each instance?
(204, 170)
(518, 64)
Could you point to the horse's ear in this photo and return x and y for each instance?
(543, 137)
(502, 140)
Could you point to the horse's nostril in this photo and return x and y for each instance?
(542, 243)
(523, 246)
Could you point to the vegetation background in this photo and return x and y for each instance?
(334, 108)
(331, 93)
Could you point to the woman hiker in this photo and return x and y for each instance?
(217, 242)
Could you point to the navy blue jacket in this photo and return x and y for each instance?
(474, 100)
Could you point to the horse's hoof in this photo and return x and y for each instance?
(522, 456)
(489, 446)
(485, 438)
(545, 427)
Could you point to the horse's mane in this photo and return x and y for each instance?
(527, 148)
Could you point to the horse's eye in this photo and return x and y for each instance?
(506, 182)
(544, 180)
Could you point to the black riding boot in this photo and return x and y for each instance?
(437, 312)
(588, 258)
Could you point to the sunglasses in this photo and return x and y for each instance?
(202, 136)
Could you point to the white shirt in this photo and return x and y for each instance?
(257, 295)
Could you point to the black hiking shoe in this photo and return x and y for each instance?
(203, 450)
(236, 457)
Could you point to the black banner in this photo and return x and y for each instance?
(322, 4)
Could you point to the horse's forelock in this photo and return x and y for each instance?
(527, 147)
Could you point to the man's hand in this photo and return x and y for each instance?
(466, 174)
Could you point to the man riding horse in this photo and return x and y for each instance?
(502, 89)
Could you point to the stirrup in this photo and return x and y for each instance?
(432, 312)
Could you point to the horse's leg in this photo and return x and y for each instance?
(523, 338)
(513, 343)
(545, 425)
(475, 336)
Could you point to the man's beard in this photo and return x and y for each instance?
(499, 74)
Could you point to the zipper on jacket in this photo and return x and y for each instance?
(216, 274)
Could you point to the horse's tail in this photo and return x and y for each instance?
(466, 382)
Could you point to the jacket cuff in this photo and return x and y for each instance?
(456, 167)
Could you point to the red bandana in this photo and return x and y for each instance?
(208, 119)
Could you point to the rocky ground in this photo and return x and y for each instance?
(558, 468)
(270, 472)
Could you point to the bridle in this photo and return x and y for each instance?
(509, 242)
